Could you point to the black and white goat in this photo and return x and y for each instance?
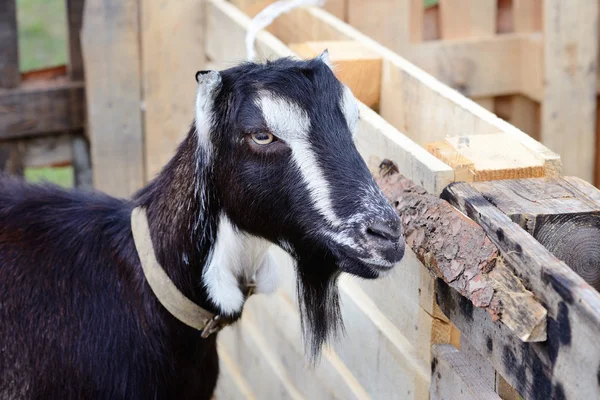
(270, 159)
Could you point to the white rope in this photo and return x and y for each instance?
(268, 15)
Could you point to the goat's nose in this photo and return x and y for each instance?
(385, 229)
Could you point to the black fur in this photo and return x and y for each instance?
(78, 319)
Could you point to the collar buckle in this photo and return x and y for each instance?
(213, 325)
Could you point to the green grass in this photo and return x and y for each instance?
(62, 176)
(430, 3)
(42, 33)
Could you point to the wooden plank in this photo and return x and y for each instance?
(476, 67)
(9, 45)
(172, 51)
(527, 15)
(488, 157)
(355, 65)
(75, 22)
(567, 363)
(417, 21)
(386, 21)
(560, 216)
(569, 104)
(231, 384)
(111, 53)
(278, 317)
(339, 8)
(41, 107)
(455, 377)
(50, 151)
(467, 18)
(11, 158)
(249, 350)
(475, 19)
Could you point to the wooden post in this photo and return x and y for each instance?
(9, 45)
(111, 54)
(10, 152)
(569, 103)
(172, 37)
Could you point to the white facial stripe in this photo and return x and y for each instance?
(349, 107)
(237, 256)
(290, 123)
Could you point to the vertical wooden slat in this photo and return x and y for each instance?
(111, 55)
(527, 15)
(75, 21)
(9, 45)
(461, 19)
(417, 21)
(172, 51)
(569, 102)
(386, 21)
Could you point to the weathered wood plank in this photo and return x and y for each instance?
(111, 53)
(571, 67)
(172, 37)
(455, 377)
(567, 363)
(9, 45)
(82, 164)
(41, 107)
(75, 22)
(555, 212)
(231, 384)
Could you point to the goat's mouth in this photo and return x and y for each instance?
(368, 264)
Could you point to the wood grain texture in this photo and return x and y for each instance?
(111, 53)
(567, 363)
(571, 68)
(458, 251)
(42, 107)
(9, 45)
(355, 65)
(455, 377)
(172, 36)
(560, 216)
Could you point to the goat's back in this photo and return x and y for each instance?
(75, 320)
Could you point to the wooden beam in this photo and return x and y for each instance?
(111, 53)
(172, 36)
(454, 376)
(567, 364)
(355, 65)
(558, 214)
(231, 384)
(457, 250)
(9, 45)
(41, 107)
(487, 157)
(571, 68)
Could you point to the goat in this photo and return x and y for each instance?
(269, 159)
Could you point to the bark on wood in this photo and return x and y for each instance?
(562, 214)
(454, 248)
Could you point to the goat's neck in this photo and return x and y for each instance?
(183, 211)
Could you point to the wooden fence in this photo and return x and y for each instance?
(410, 336)
(42, 113)
(532, 62)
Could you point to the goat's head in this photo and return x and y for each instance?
(281, 138)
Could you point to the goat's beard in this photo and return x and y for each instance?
(319, 301)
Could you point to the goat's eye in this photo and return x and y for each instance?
(262, 138)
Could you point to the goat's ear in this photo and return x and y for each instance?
(324, 57)
(209, 83)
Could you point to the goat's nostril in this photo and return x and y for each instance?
(385, 230)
